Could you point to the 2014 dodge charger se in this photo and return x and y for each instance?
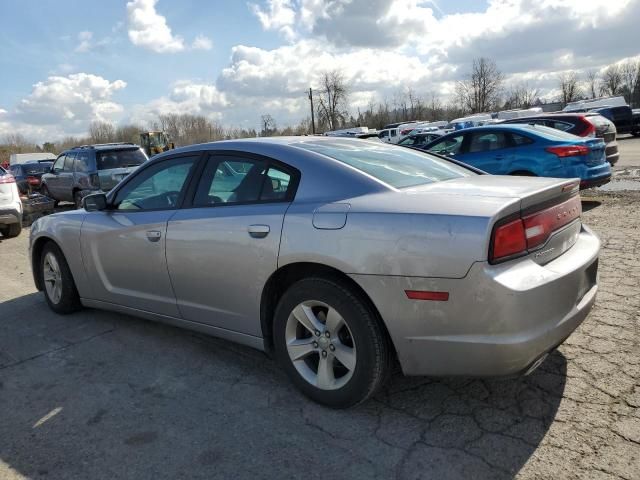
(337, 255)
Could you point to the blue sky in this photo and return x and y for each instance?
(69, 62)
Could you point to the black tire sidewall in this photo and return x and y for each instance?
(371, 345)
(69, 300)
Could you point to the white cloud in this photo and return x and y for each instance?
(64, 105)
(202, 43)
(85, 41)
(278, 15)
(148, 29)
(185, 97)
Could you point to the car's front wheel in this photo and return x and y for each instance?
(59, 287)
(330, 342)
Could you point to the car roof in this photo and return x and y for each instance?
(497, 126)
(104, 146)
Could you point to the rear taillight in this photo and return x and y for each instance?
(8, 178)
(590, 129)
(569, 150)
(94, 180)
(508, 240)
(33, 180)
(522, 235)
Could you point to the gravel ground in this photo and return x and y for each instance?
(102, 395)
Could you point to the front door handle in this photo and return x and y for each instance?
(258, 231)
(153, 235)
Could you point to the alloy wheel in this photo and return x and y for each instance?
(52, 277)
(320, 345)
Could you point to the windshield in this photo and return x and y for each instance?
(120, 159)
(396, 166)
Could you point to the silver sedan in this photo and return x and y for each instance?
(338, 256)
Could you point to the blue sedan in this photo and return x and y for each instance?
(531, 150)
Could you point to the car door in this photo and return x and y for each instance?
(52, 180)
(488, 150)
(123, 247)
(222, 250)
(66, 178)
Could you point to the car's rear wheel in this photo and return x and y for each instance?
(330, 342)
(59, 288)
(46, 193)
(11, 231)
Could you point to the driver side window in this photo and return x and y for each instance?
(156, 188)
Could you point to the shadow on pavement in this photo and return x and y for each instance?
(101, 395)
(590, 204)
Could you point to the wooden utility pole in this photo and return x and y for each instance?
(313, 122)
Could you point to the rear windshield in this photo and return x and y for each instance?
(551, 133)
(399, 167)
(106, 160)
(33, 169)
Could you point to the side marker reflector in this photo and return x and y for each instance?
(425, 295)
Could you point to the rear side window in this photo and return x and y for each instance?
(396, 166)
(110, 159)
(485, 142)
(519, 140)
(232, 180)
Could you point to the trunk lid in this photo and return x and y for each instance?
(596, 155)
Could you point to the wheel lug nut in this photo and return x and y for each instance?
(315, 344)
(332, 347)
(324, 353)
(327, 334)
(317, 333)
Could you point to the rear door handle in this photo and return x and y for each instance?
(258, 231)
(153, 235)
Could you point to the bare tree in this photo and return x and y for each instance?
(333, 100)
(630, 73)
(268, 126)
(569, 88)
(101, 132)
(592, 83)
(480, 92)
(611, 80)
(521, 96)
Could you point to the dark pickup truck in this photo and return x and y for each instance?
(625, 119)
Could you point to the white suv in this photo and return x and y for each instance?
(10, 206)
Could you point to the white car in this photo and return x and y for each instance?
(10, 206)
(389, 135)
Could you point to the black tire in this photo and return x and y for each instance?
(69, 301)
(11, 231)
(46, 193)
(373, 353)
(77, 199)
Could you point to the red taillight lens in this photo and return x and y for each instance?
(569, 150)
(538, 226)
(528, 233)
(33, 180)
(508, 239)
(589, 130)
(8, 178)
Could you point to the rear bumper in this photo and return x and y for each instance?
(9, 216)
(612, 153)
(594, 182)
(498, 320)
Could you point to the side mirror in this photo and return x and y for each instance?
(95, 202)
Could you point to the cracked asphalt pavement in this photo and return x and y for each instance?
(104, 395)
